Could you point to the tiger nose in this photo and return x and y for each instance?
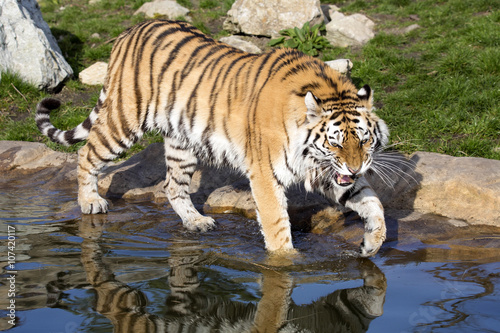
(353, 171)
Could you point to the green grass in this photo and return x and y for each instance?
(17, 108)
(437, 87)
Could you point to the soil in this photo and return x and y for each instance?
(81, 97)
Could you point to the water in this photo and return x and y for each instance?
(137, 270)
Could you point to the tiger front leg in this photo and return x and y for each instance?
(181, 164)
(363, 200)
(272, 213)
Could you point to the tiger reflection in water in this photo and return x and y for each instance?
(346, 310)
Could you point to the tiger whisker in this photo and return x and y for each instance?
(394, 168)
(384, 176)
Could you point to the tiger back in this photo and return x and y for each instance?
(280, 118)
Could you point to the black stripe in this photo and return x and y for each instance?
(50, 134)
(351, 193)
(174, 159)
(331, 99)
(93, 150)
(69, 137)
(179, 196)
(287, 162)
(87, 124)
(143, 37)
(286, 58)
(179, 182)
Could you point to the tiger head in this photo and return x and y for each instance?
(343, 135)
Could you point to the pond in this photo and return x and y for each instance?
(137, 270)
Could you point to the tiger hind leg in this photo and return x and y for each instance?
(181, 164)
(92, 158)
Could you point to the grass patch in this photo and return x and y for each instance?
(17, 104)
(437, 87)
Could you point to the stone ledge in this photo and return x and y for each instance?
(464, 189)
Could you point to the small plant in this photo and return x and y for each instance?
(308, 40)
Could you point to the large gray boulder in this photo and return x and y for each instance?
(267, 18)
(27, 46)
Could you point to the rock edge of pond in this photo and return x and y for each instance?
(442, 205)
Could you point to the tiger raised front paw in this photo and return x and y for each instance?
(372, 241)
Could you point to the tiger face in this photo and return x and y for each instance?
(344, 134)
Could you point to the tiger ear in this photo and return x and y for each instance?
(313, 109)
(365, 95)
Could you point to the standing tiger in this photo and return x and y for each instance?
(280, 117)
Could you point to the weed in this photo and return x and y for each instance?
(306, 39)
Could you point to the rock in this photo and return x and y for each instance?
(37, 163)
(95, 74)
(328, 10)
(410, 28)
(241, 44)
(463, 188)
(343, 66)
(351, 30)
(24, 157)
(27, 46)
(268, 18)
(168, 8)
(404, 31)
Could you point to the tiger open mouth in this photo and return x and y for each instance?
(344, 180)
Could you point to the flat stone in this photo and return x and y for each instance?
(168, 8)
(343, 66)
(463, 188)
(405, 30)
(241, 44)
(95, 74)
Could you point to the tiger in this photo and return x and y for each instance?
(279, 117)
